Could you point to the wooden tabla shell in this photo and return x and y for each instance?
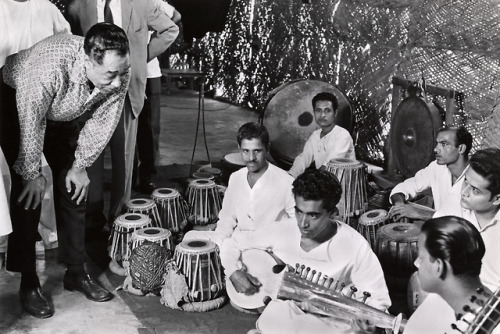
(123, 228)
(145, 206)
(289, 116)
(161, 236)
(370, 222)
(397, 248)
(198, 260)
(172, 209)
(204, 202)
(352, 177)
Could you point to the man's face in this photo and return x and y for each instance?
(110, 74)
(312, 218)
(253, 152)
(475, 195)
(427, 267)
(324, 114)
(446, 152)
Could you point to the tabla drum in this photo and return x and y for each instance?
(172, 209)
(198, 260)
(289, 117)
(121, 234)
(397, 248)
(203, 175)
(370, 222)
(352, 177)
(159, 235)
(415, 293)
(203, 201)
(146, 207)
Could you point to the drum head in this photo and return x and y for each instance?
(289, 116)
(234, 159)
(153, 233)
(165, 193)
(373, 217)
(132, 220)
(196, 246)
(399, 232)
(140, 203)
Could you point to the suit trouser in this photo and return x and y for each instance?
(122, 146)
(148, 131)
(59, 148)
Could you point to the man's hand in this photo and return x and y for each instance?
(33, 192)
(78, 178)
(411, 211)
(245, 283)
(363, 326)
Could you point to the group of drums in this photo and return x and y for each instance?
(163, 218)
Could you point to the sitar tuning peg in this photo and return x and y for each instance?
(455, 327)
(330, 281)
(468, 309)
(297, 266)
(353, 290)
(366, 295)
(317, 278)
(306, 273)
(266, 300)
(312, 275)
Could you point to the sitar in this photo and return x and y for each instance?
(482, 316)
(305, 285)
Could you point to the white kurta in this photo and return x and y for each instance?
(438, 178)
(490, 270)
(433, 316)
(336, 144)
(245, 210)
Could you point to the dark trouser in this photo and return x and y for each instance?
(59, 148)
(148, 132)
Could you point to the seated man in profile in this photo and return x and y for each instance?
(443, 177)
(315, 240)
(450, 250)
(480, 203)
(329, 142)
(256, 196)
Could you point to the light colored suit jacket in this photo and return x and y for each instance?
(138, 17)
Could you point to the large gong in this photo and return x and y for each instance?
(413, 135)
(289, 116)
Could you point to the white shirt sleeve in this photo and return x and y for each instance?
(303, 160)
(227, 215)
(343, 148)
(414, 185)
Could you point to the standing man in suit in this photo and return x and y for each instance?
(136, 18)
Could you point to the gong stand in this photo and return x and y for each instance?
(414, 125)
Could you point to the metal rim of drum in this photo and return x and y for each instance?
(140, 204)
(202, 184)
(373, 217)
(132, 219)
(345, 163)
(196, 246)
(405, 232)
(165, 193)
(203, 176)
(412, 135)
(289, 118)
(146, 233)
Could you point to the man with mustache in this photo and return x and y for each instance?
(444, 177)
(329, 142)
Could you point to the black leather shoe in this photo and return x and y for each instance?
(35, 303)
(87, 286)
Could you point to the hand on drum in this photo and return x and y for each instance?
(245, 283)
(399, 211)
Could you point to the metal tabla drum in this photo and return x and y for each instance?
(123, 227)
(204, 202)
(172, 209)
(146, 207)
(161, 236)
(370, 222)
(199, 261)
(352, 177)
(289, 117)
(231, 163)
(397, 248)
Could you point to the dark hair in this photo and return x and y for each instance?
(317, 185)
(462, 136)
(457, 241)
(487, 164)
(253, 130)
(103, 37)
(325, 96)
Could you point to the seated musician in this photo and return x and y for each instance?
(450, 250)
(257, 195)
(443, 177)
(315, 240)
(329, 142)
(481, 206)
